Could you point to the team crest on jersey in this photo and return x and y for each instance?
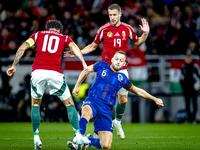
(124, 35)
(109, 34)
(120, 77)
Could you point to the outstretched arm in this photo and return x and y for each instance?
(142, 93)
(18, 55)
(81, 78)
(77, 52)
(88, 49)
(145, 28)
(91, 47)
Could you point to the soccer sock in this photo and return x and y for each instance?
(35, 118)
(73, 118)
(119, 111)
(82, 123)
(95, 142)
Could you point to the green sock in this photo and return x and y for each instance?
(35, 118)
(119, 111)
(73, 118)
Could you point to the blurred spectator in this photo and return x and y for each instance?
(2, 12)
(189, 76)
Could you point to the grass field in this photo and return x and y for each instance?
(19, 136)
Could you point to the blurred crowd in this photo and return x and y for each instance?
(174, 24)
(174, 30)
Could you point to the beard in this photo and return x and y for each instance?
(116, 69)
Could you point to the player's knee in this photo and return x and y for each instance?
(105, 145)
(123, 100)
(85, 114)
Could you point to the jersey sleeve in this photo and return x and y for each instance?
(99, 36)
(132, 34)
(97, 66)
(68, 40)
(127, 84)
(34, 37)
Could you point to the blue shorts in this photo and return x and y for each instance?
(101, 115)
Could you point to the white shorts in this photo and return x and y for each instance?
(123, 91)
(54, 80)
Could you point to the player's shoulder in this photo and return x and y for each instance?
(126, 25)
(104, 26)
(101, 64)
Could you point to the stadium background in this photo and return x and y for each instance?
(174, 31)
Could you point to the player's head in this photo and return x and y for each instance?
(114, 12)
(54, 24)
(188, 59)
(118, 60)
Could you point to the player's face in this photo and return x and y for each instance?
(118, 61)
(114, 17)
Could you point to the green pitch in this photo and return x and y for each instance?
(54, 136)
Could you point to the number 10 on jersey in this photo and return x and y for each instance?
(49, 42)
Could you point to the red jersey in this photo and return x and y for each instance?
(114, 39)
(50, 45)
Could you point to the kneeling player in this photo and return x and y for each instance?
(102, 98)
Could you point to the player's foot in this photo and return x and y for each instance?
(38, 144)
(75, 146)
(81, 139)
(119, 129)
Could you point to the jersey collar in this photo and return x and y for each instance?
(113, 69)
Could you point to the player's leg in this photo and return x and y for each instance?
(120, 108)
(86, 115)
(38, 85)
(103, 142)
(105, 139)
(58, 87)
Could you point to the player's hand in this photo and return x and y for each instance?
(68, 54)
(145, 26)
(11, 71)
(76, 91)
(159, 102)
(86, 70)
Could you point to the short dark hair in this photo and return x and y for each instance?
(115, 6)
(121, 52)
(54, 24)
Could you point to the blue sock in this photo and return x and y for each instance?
(95, 142)
(82, 123)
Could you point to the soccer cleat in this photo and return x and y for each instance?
(38, 144)
(119, 129)
(80, 139)
(72, 145)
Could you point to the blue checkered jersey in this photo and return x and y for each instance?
(107, 83)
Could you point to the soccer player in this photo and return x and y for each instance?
(47, 71)
(115, 36)
(102, 98)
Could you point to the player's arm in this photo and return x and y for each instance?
(77, 52)
(81, 78)
(142, 93)
(88, 49)
(145, 28)
(91, 47)
(27, 44)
